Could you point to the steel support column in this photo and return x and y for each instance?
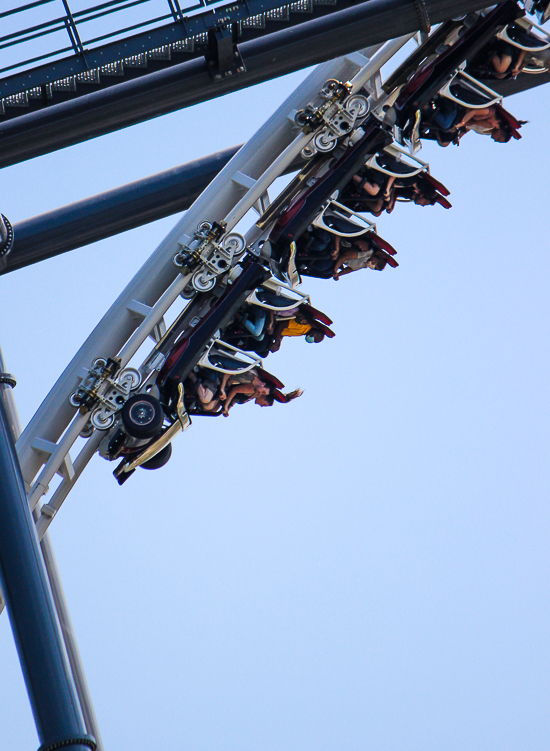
(64, 619)
(31, 612)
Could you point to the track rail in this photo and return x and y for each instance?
(47, 440)
(242, 185)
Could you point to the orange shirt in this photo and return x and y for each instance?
(295, 329)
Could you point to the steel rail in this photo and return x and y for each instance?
(184, 85)
(159, 273)
(143, 201)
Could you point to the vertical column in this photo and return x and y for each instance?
(30, 609)
(7, 383)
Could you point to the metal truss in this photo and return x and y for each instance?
(194, 30)
(188, 83)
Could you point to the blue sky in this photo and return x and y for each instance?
(366, 567)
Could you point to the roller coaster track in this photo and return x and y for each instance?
(36, 124)
(45, 445)
(140, 308)
(331, 111)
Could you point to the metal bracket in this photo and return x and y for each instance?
(223, 56)
(140, 310)
(336, 117)
(112, 398)
(104, 391)
(209, 255)
(87, 393)
(189, 257)
(66, 469)
(81, 740)
(8, 380)
(313, 117)
(6, 236)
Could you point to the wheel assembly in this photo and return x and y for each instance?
(142, 416)
(202, 284)
(160, 459)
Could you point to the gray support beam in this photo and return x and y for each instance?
(31, 611)
(69, 639)
(268, 57)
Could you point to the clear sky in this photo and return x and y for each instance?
(364, 568)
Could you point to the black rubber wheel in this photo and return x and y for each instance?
(160, 459)
(142, 416)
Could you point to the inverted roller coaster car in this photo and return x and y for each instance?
(295, 218)
(201, 378)
(425, 84)
(150, 420)
(191, 346)
(391, 176)
(335, 230)
(262, 322)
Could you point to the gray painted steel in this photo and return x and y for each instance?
(277, 54)
(156, 276)
(69, 638)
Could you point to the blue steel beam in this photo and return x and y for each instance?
(31, 611)
(114, 211)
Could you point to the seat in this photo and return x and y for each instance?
(467, 91)
(335, 215)
(225, 358)
(276, 295)
(401, 163)
(519, 35)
